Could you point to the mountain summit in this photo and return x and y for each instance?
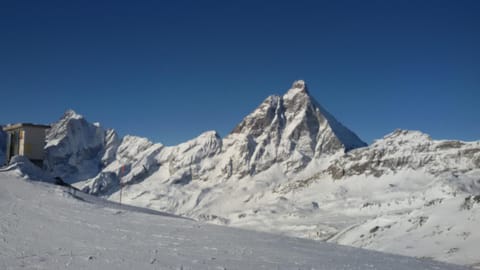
(294, 127)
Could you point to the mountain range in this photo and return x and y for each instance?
(290, 167)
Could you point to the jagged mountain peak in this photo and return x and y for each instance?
(211, 134)
(66, 126)
(272, 110)
(407, 133)
(299, 84)
(296, 113)
(402, 135)
(71, 114)
(209, 142)
(292, 129)
(299, 87)
(77, 149)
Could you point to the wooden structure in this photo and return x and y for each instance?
(25, 139)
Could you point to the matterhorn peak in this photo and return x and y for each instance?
(71, 114)
(299, 84)
(293, 129)
(299, 89)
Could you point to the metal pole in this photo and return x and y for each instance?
(121, 188)
(122, 172)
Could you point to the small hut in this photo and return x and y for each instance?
(25, 139)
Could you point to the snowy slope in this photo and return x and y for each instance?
(290, 168)
(46, 227)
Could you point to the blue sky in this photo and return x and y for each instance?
(170, 70)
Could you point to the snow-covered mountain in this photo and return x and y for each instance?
(291, 168)
(76, 149)
(290, 130)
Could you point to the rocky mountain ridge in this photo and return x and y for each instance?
(289, 130)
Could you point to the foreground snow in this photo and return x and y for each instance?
(47, 227)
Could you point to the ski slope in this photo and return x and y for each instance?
(43, 226)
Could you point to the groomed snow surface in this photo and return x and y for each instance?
(43, 226)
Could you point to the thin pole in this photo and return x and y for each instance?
(121, 193)
(122, 172)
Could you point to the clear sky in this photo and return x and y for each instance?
(170, 70)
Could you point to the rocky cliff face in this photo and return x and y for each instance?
(404, 149)
(290, 130)
(76, 149)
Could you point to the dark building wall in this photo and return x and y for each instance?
(3, 145)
